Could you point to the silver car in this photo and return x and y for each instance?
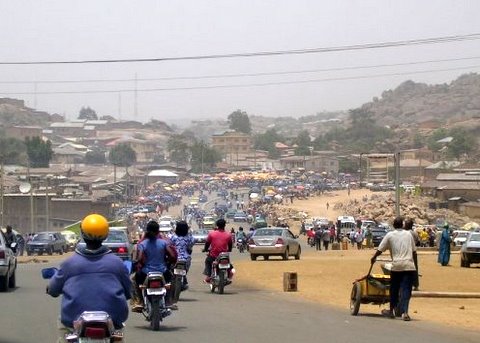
(200, 236)
(274, 241)
(8, 265)
(470, 251)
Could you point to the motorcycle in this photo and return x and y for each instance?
(221, 268)
(91, 326)
(241, 244)
(154, 291)
(179, 279)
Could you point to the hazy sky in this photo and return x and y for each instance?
(120, 29)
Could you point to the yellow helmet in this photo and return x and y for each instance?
(94, 227)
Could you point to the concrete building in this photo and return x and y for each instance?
(327, 164)
(232, 143)
(144, 149)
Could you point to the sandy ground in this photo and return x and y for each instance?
(326, 276)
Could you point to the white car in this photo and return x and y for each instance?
(165, 226)
(459, 237)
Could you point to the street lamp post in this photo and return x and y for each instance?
(397, 183)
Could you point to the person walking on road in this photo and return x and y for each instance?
(402, 248)
(409, 227)
(318, 238)
(444, 249)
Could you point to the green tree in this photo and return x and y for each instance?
(463, 143)
(11, 150)
(418, 141)
(39, 152)
(87, 113)
(434, 137)
(239, 121)
(122, 155)
(204, 157)
(95, 156)
(303, 143)
(178, 150)
(266, 141)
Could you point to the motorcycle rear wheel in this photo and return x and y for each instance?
(221, 282)
(177, 288)
(155, 316)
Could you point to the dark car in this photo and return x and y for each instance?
(202, 198)
(377, 235)
(8, 264)
(230, 213)
(47, 242)
(118, 242)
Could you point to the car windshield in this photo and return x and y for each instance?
(115, 237)
(462, 234)
(200, 232)
(268, 232)
(43, 237)
(475, 237)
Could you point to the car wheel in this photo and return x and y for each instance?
(285, 255)
(467, 263)
(253, 257)
(4, 283)
(12, 281)
(299, 252)
(40, 253)
(355, 298)
(29, 253)
(50, 251)
(61, 251)
(266, 257)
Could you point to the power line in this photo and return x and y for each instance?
(244, 85)
(219, 76)
(422, 41)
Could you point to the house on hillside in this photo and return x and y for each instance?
(319, 163)
(144, 149)
(22, 132)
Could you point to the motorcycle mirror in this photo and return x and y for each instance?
(128, 265)
(48, 273)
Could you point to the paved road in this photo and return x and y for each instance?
(241, 315)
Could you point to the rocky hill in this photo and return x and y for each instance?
(14, 112)
(417, 103)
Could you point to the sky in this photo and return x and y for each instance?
(62, 30)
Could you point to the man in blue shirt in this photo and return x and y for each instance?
(93, 279)
(153, 253)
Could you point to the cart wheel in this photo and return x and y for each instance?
(355, 298)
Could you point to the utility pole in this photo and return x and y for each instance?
(32, 219)
(202, 158)
(397, 183)
(135, 95)
(47, 217)
(119, 106)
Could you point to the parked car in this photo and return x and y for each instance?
(460, 237)
(200, 236)
(276, 241)
(117, 240)
(8, 264)
(470, 251)
(165, 226)
(47, 242)
(71, 238)
(240, 217)
(202, 198)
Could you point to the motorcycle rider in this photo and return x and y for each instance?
(93, 279)
(183, 243)
(241, 237)
(218, 241)
(154, 254)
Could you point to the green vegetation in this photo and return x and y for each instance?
(95, 156)
(266, 141)
(122, 155)
(239, 122)
(184, 149)
(11, 150)
(39, 152)
(304, 143)
(87, 113)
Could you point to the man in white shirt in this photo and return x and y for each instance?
(402, 248)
